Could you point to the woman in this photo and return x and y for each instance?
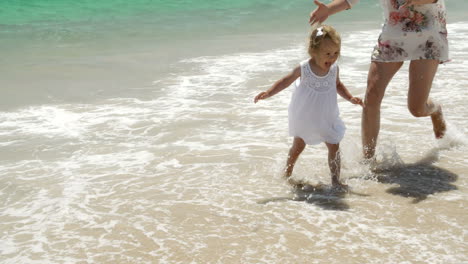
(415, 31)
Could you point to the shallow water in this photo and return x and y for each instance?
(117, 159)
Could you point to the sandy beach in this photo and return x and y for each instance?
(132, 137)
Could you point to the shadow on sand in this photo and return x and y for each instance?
(324, 196)
(417, 180)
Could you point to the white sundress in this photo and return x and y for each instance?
(313, 112)
(414, 33)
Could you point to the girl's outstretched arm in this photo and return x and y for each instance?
(322, 12)
(280, 85)
(343, 91)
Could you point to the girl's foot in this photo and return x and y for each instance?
(296, 184)
(368, 161)
(438, 123)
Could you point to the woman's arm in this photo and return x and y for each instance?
(280, 85)
(322, 12)
(417, 2)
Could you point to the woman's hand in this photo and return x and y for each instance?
(357, 100)
(261, 96)
(320, 13)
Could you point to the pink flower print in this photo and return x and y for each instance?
(388, 50)
(384, 44)
(394, 18)
(418, 18)
(441, 18)
(406, 13)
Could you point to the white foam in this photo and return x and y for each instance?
(183, 171)
(46, 121)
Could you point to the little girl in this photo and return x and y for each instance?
(313, 111)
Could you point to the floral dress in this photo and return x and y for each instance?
(414, 33)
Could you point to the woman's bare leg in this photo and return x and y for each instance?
(421, 75)
(380, 74)
(294, 152)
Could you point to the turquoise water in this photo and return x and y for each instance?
(70, 21)
(53, 12)
(27, 12)
(41, 23)
(53, 32)
(58, 20)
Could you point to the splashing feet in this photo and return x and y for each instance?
(339, 186)
(438, 123)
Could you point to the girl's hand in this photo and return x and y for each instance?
(320, 13)
(357, 100)
(261, 96)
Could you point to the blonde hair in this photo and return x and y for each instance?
(321, 33)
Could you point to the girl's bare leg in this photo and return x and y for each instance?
(334, 163)
(294, 152)
(421, 75)
(380, 74)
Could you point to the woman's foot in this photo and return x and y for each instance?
(288, 170)
(438, 123)
(338, 185)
